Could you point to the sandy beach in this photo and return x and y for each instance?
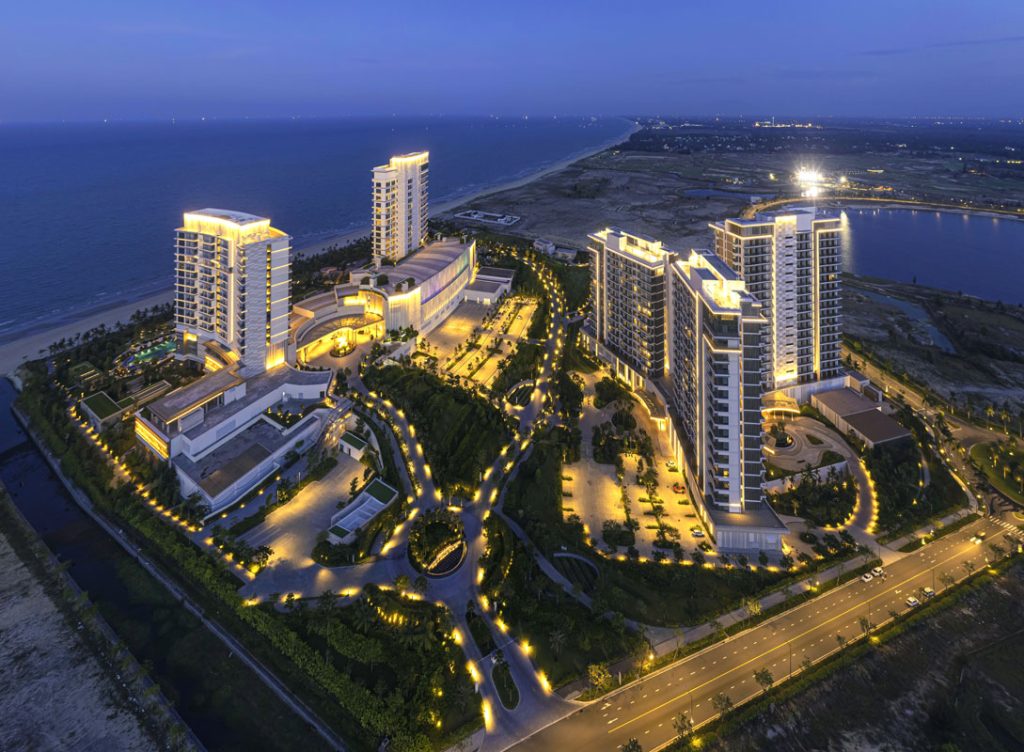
(16, 352)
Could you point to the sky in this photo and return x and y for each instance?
(153, 59)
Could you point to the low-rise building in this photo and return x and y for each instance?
(373, 499)
(218, 435)
(851, 412)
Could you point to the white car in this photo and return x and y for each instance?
(696, 532)
(877, 572)
(867, 577)
(913, 602)
(927, 592)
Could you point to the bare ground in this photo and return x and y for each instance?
(54, 695)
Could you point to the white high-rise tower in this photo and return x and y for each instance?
(232, 290)
(790, 262)
(400, 206)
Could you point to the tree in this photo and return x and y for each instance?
(947, 579)
(865, 624)
(764, 678)
(722, 703)
(753, 606)
(632, 746)
(599, 676)
(683, 725)
(969, 567)
(557, 641)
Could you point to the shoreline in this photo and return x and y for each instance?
(317, 245)
(32, 344)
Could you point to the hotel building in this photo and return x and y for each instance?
(715, 356)
(232, 303)
(232, 297)
(790, 262)
(626, 325)
(686, 334)
(400, 206)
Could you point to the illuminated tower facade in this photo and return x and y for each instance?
(232, 290)
(790, 261)
(400, 206)
(627, 315)
(715, 373)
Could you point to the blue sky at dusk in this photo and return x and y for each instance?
(136, 59)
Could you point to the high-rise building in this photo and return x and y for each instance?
(232, 290)
(790, 262)
(627, 316)
(715, 372)
(400, 206)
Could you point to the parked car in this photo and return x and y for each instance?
(927, 592)
(877, 572)
(696, 532)
(867, 577)
(913, 602)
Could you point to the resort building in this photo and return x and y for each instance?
(224, 434)
(400, 206)
(626, 325)
(715, 381)
(419, 292)
(715, 356)
(790, 262)
(231, 293)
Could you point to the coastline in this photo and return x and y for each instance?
(34, 344)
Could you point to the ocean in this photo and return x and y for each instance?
(91, 209)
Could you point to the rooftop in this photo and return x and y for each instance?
(495, 272)
(484, 286)
(230, 462)
(876, 426)
(845, 402)
(255, 389)
(432, 259)
(353, 440)
(189, 397)
(239, 218)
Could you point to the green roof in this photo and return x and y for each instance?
(101, 405)
(381, 491)
(353, 440)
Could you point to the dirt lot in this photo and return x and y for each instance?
(962, 348)
(952, 680)
(639, 192)
(54, 694)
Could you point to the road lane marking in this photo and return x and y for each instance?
(770, 650)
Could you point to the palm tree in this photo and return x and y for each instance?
(557, 641)
(683, 725)
(764, 678)
(722, 703)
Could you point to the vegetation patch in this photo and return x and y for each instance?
(460, 431)
(825, 502)
(508, 693)
(436, 538)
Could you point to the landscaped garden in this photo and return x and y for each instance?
(904, 504)
(646, 591)
(437, 541)
(1003, 465)
(826, 501)
(460, 431)
(565, 636)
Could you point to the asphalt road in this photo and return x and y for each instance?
(646, 709)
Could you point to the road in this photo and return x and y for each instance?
(646, 708)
